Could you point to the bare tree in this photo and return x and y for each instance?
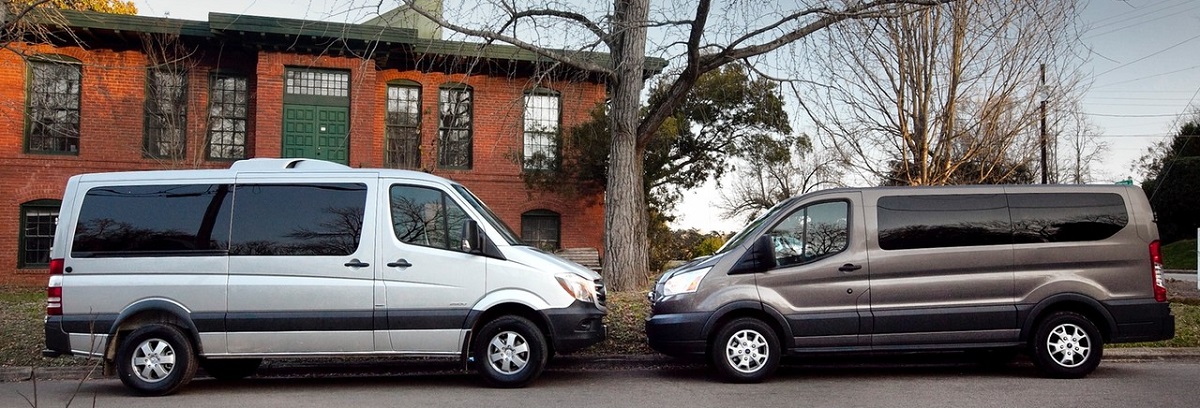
(740, 31)
(947, 94)
(773, 171)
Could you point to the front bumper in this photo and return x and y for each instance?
(576, 326)
(678, 334)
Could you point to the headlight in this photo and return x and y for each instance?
(577, 286)
(686, 282)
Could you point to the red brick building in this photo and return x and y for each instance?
(139, 93)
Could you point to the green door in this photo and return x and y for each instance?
(317, 132)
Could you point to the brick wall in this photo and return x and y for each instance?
(111, 132)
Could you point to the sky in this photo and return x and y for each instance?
(1143, 62)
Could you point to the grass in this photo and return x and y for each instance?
(21, 311)
(1180, 255)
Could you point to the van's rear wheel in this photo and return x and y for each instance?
(230, 368)
(1067, 345)
(745, 350)
(510, 352)
(156, 359)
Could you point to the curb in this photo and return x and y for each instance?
(331, 369)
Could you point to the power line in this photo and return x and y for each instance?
(1132, 115)
(1148, 56)
(1148, 77)
(1172, 14)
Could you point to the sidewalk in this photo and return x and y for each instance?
(291, 368)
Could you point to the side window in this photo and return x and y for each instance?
(159, 220)
(937, 221)
(426, 217)
(542, 120)
(228, 110)
(38, 219)
(1066, 217)
(166, 114)
(811, 233)
(297, 219)
(403, 126)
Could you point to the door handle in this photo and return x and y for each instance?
(850, 268)
(355, 263)
(400, 263)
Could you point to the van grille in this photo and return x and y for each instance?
(601, 293)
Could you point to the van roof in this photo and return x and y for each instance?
(261, 166)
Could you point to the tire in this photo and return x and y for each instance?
(230, 369)
(155, 360)
(1066, 345)
(510, 352)
(745, 350)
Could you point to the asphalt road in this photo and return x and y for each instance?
(1114, 384)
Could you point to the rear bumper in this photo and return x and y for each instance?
(576, 326)
(58, 343)
(1141, 320)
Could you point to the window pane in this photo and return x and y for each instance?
(541, 129)
(541, 228)
(227, 117)
(166, 114)
(298, 219)
(1066, 217)
(811, 233)
(144, 220)
(53, 108)
(403, 122)
(933, 221)
(426, 217)
(37, 235)
(454, 128)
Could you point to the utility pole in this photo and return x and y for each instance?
(1045, 173)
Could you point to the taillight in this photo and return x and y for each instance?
(1156, 271)
(54, 289)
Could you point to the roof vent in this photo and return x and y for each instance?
(262, 164)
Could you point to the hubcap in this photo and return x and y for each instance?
(1068, 345)
(747, 351)
(153, 360)
(508, 352)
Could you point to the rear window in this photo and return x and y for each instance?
(937, 221)
(159, 220)
(1066, 217)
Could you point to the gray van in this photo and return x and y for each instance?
(161, 272)
(1055, 271)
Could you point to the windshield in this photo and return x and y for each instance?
(489, 216)
(745, 233)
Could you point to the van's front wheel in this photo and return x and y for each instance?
(745, 350)
(510, 352)
(1067, 345)
(156, 359)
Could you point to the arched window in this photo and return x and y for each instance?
(542, 228)
(38, 220)
(52, 105)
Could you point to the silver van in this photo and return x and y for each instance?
(1055, 271)
(161, 272)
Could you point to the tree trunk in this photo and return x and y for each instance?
(626, 252)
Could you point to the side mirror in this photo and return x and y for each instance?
(759, 258)
(472, 237)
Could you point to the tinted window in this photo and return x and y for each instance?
(426, 217)
(933, 221)
(1066, 217)
(150, 220)
(810, 233)
(297, 219)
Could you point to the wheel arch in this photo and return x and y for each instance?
(151, 311)
(1070, 302)
(477, 318)
(748, 308)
